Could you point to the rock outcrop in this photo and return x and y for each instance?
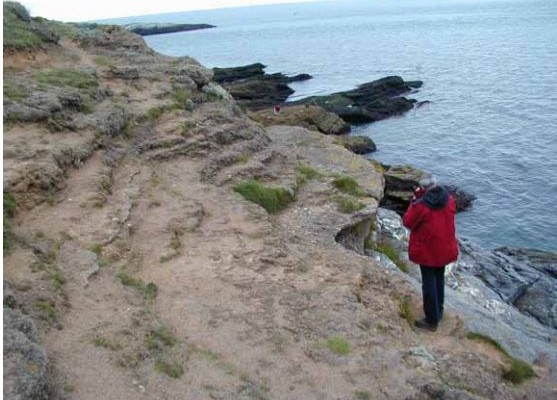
(400, 182)
(252, 88)
(369, 102)
(526, 279)
(310, 117)
(25, 362)
(485, 283)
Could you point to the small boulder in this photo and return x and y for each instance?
(400, 182)
(357, 144)
(310, 117)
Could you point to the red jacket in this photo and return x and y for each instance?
(432, 228)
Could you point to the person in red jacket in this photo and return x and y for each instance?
(431, 220)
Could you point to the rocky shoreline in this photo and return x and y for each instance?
(523, 278)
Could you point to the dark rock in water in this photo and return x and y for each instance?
(463, 199)
(160, 28)
(420, 104)
(298, 78)
(357, 144)
(400, 182)
(521, 277)
(372, 101)
(252, 88)
(415, 84)
(310, 117)
(224, 75)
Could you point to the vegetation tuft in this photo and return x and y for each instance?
(57, 280)
(155, 113)
(23, 32)
(106, 343)
(405, 310)
(347, 205)
(8, 211)
(363, 395)
(518, 371)
(271, 199)
(305, 173)
(149, 290)
(348, 185)
(173, 370)
(393, 255)
(182, 99)
(103, 61)
(98, 250)
(67, 77)
(47, 310)
(338, 345)
(186, 128)
(155, 339)
(15, 91)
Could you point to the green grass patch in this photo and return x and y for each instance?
(518, 371)
(347, 205)
(393, 255)
(47, 310)
(57, 280)
(9, 204)
(106, 343)
(348, 185)
(174, 370)
(243, 159)
(308, 172)
(23, 32)
(157, 338)
(479, 337)
(149, 290)
(155, 113)
(363, 395)
(186, 128)
(15, 91)
(305, 173)
(98, 250)
(103, 61)
(271, 199)
(67, 77)
(405, 311)
(338, 345)
(8, 212)
(181, 97)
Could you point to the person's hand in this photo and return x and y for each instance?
(418, 193)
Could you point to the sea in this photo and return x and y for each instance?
(489, 69)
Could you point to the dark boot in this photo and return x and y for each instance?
(423, 324)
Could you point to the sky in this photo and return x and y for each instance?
(72, 10)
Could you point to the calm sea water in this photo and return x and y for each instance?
(489, 69)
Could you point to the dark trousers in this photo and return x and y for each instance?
(433, 292)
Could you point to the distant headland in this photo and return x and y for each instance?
(160, 28)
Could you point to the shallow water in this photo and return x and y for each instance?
(489, 69)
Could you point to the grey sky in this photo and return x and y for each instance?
(71, 10)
